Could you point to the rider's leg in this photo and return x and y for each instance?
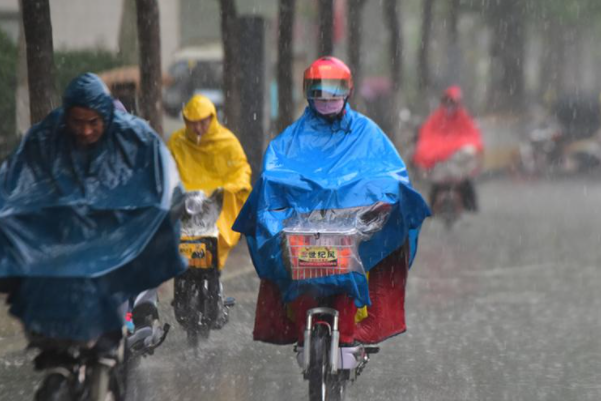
(273, 318)
(432, 196)
(468, 193)
(9, 285)
(299, 307)
(386, 315)
(347, 311)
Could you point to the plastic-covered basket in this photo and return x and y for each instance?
(315, 254)
(199, 239)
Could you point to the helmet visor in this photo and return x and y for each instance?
(326, 88)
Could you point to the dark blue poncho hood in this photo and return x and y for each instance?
(83, 229)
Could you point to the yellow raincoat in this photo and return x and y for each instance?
(218, 160)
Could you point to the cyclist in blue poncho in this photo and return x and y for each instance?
(89, 216)
(330, 165)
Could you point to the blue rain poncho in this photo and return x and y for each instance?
(84, 229)
(319, 165)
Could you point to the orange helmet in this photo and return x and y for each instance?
(327, 78)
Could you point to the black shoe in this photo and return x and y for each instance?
(468, 193)
(229, 302)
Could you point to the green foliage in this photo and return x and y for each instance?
(70, 64)
(566, 11)
(8, 85)
(570, 11)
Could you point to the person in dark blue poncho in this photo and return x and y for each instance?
(89, 216)
(331, 165)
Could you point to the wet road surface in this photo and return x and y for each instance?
(506, 306)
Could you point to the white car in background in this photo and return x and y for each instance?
(195, 70)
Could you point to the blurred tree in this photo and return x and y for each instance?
(252, 90)
(40, 63)
(553, 61)
(149, 37)
(453, 21)
(8, 86)
(284, 67)
(507, 52)
(129, 48)
(454, 50)
(424, 46)
(326, 27)
(231, 68)
(392, 19)
(354, 17)
(562, 26)
(23, 114)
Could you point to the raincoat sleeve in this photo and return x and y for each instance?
(236, 190)
(238, 173)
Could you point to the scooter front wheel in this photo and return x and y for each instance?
(196, 328)
(323, 385)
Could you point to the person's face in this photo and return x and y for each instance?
(86, 125)
(329, 107)
(450, 105)
(199, 127)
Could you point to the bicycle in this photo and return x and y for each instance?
(315, 251)
(330, 367)
(81, 371)
(198, 303)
